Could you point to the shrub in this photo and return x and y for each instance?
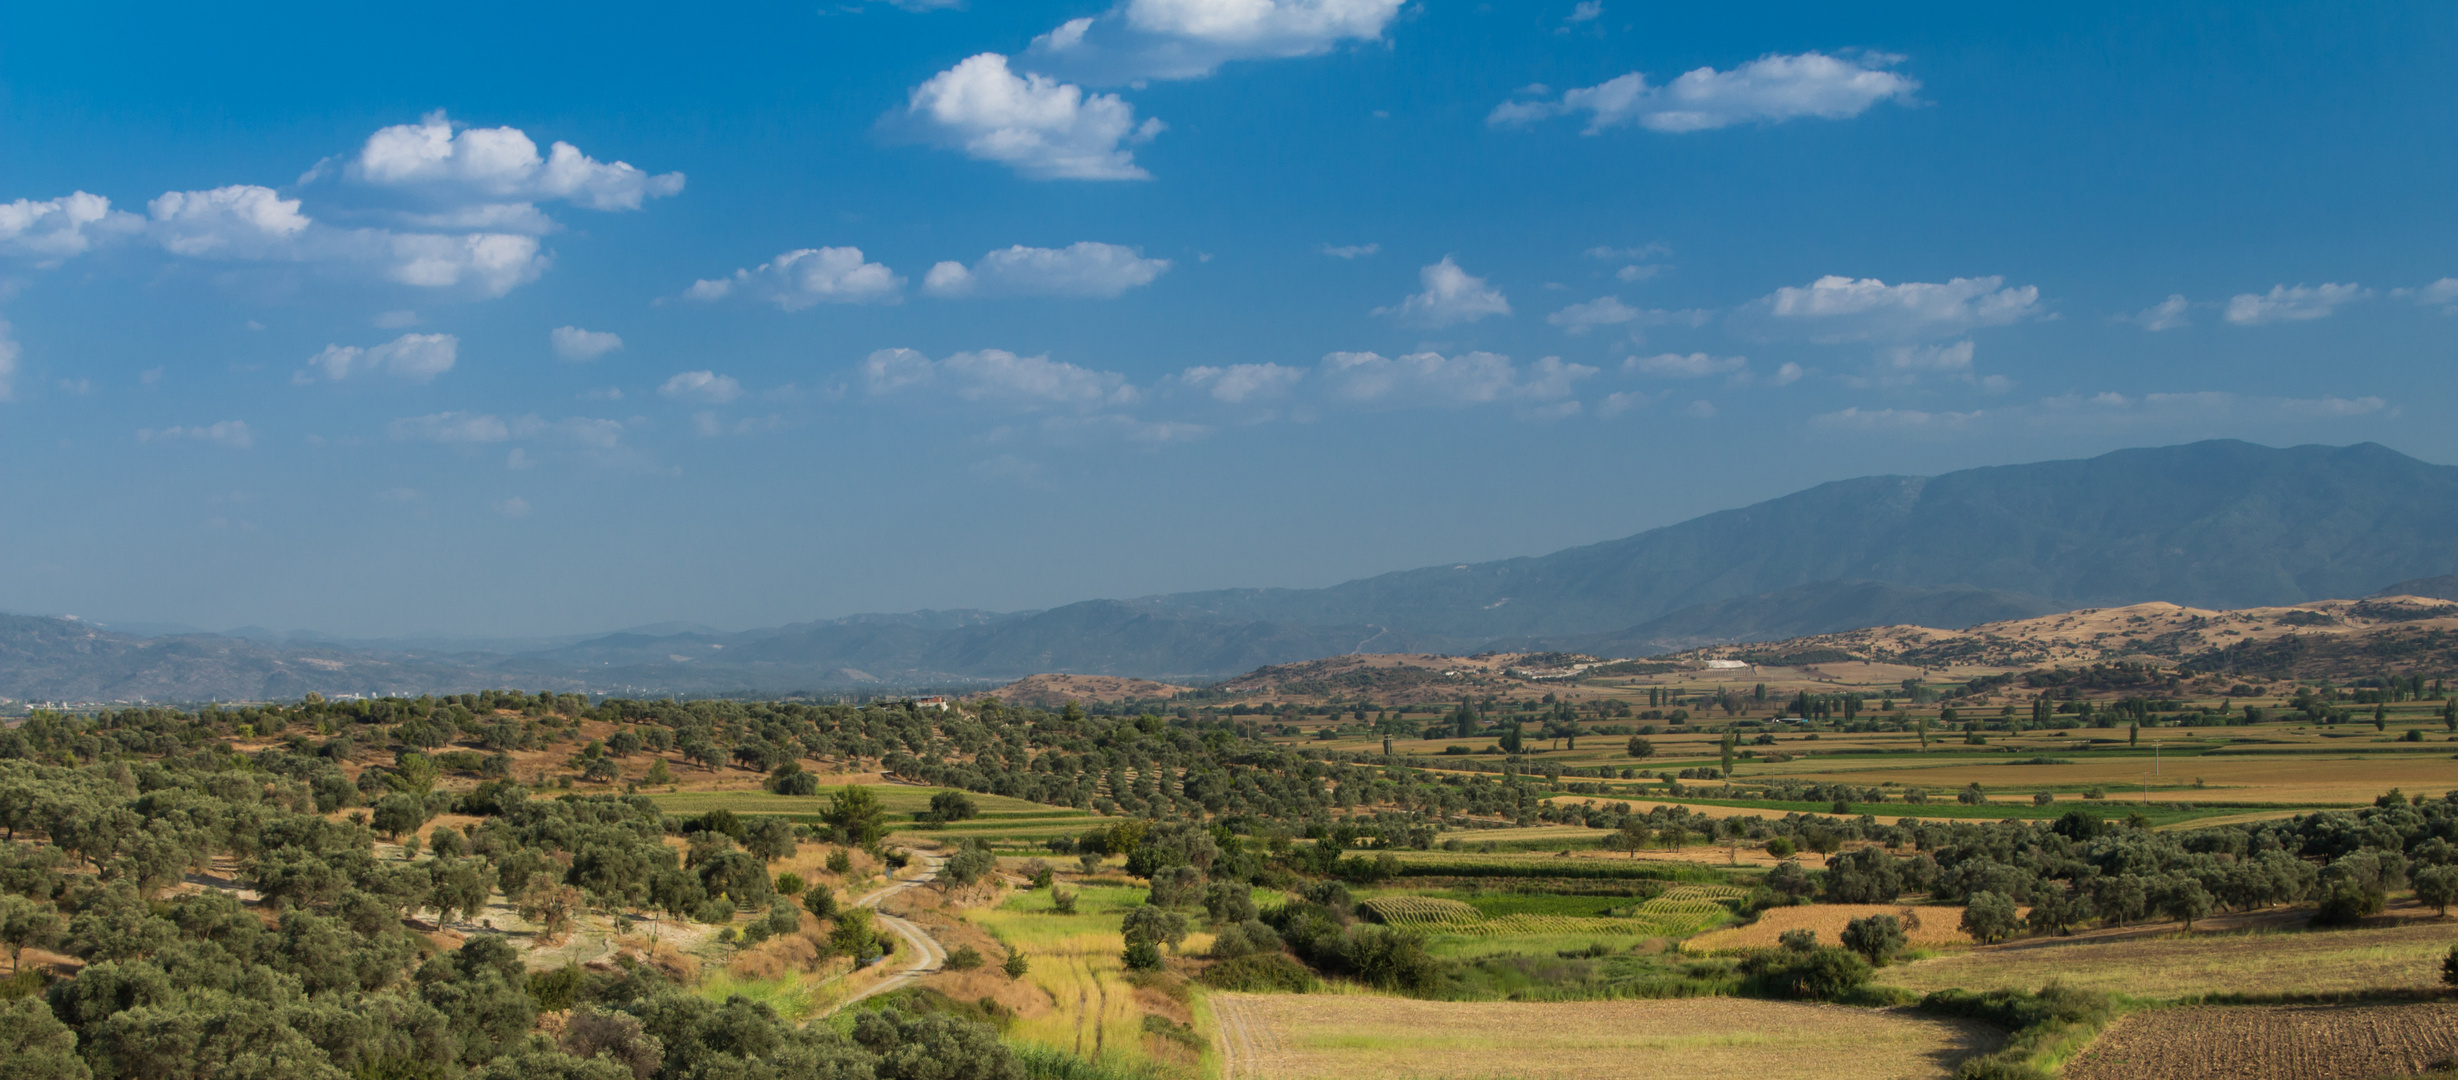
(1062, 902)
(1260, 973)
(840, 861)
(1818, 973)
(790, 884)
(1780, 847)
(965, 958)
(1016, 965)
(821, 903)
(1142, 955)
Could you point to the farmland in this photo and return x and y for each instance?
(2297, 1042)
(2167, 966)
(1276, 1037)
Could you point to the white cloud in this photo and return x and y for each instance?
(1585, 11)
(1350, 251)
(50, 230)
(574, 343)
(2168, 314)
(808, 276)
(1704, 410)
(514, 507)
(1081, 269)
(496, 170)
(9, 352)
(2442, 294)
(1602, 311)
(1770, 89)
(1451, 296)
(1429, 378)
(2297, 304)
(1785, 375)
(491, 263)
(1237, 384)
(235, 434)
(1638, 272)
(1150, 433)
(705, 387)
(454, 428)
(1689, 366)
(1036, 125)
(1622, 401)
(1189, 39)
(411, 357)
(1836, 308)
(997, 377)
(239, 221)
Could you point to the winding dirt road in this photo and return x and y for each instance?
(921, 950)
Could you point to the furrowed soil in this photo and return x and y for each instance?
(1309, 1036)
(2296, 1042)
(2171, 966)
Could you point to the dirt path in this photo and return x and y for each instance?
(923, 951)
(1243, 1042)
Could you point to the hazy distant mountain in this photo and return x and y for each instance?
(2217, 524)
(2212, 524)
(1825, 607)
(2444, 587)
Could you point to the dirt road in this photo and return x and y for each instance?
(921, 952)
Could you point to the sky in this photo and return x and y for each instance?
(500, 320)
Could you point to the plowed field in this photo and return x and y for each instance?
(1311, 1036)
(2299, 1042)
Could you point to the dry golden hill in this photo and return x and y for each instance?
(1052, 691)
(2328, 636)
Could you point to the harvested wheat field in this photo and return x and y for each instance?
(1924, 926)
(1309, 1036)
(2175, 966)
(2296, 1042)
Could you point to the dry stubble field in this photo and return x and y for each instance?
(2298, 1042)
(1306, 1037)
(2172, 966)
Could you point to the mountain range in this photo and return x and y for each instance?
(2219, 524)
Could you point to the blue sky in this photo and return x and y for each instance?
(488, 320)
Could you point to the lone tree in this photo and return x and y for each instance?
(1876, 937)
(1989, 917)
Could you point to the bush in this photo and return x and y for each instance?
(1780, 847)
(2049, 1023)
(1142, 955)
(1260, 973)
(1819, 973)
(2348, 903)
(840, 861)
(790, 884)
(1016, 964)
(965, 958)
(821, 903)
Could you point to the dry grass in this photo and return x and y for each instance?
(1938, 926)
(2171, 966)
(1358, 1037)
(2304, 1042)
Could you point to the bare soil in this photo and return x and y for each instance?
(2295, 1042)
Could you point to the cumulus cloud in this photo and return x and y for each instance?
(2298, 304)
(414, 358)
(1768, 90)
(491, 174)
(419, 204)
(1238, 384)
(1432, 379)
(807, 277)
(704, 387)
(1451, 296)
(2168, 314)
(1040, 127)
(1350, 251)
(1836, 308)
(1915, 359)
(1189, 39)
(1687, 366)
(1602, 311)
(50, 230)
(996, 377)
(2442, 294)
(1085, 269)
(574, 343)
(235, 434)
(2069, 412)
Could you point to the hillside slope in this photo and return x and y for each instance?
(2219, 524)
